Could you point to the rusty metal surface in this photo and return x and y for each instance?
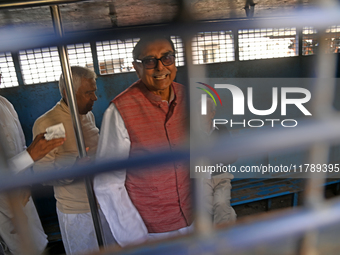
(105, 13)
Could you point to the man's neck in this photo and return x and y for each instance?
(164, 94)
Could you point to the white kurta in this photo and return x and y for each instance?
(124, 220)
(13, 140)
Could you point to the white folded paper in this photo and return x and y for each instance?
(56, 131)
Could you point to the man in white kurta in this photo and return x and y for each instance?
(126, 222)
(19, 159)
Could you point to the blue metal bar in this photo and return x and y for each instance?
(295, 199)
(269, 204)
(245, 201)
(26, 38)
(248, 145)
(239, 238)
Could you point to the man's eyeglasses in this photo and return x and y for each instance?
(151, 63)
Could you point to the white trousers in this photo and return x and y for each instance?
(78, 233)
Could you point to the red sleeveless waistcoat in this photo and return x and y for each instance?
(161, 194)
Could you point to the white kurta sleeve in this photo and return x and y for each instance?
(124, 220)
(13, 137)
(20, 162)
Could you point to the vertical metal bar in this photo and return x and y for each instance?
(269, 204)
(15, 56)
(299, 35)
(295, 199)
(95, 58)
(203, 224)
(76, 122)
(321, 108)
(236, 45)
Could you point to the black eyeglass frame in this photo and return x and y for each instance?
(141, 61)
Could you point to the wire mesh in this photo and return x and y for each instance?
(115, 56)
(40, 65)
(309, 41)
(178, 43)
(213, 47)
(8, 77)
(267, 43)
(80, 55)
(333, 39)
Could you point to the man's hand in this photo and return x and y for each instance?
(40, 147)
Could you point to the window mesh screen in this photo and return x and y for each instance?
(80, 55)
(115, 56)
(8, 77)
(179, 50)
(309, 41)
(40, 65)
(333, 39)
(213, 47)
(267, 43)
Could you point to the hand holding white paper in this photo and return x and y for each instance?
(56, 131)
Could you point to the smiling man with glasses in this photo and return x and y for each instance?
(148, 117)
(155, 66)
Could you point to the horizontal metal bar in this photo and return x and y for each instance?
(242, 238)
(260, 143)
(12, 37)
(31, 3)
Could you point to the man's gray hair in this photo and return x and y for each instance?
(78, 73)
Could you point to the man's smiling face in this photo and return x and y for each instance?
(159, 78)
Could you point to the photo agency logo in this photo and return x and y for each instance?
(238, 105)
(204, 97)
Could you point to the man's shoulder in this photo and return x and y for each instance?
(53, 116)
(132, 89)
(90, 117)
(4, 100)
(7, 103)
(178, 85)
(179, 90)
